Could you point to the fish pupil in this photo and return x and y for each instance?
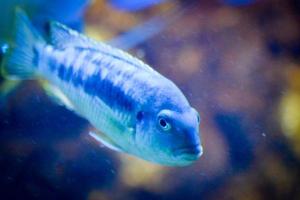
(163, 123)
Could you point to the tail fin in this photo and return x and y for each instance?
(3, 50)
(19, 61)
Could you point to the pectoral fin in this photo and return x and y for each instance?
(105, 141)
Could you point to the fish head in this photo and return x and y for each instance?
(169, 137)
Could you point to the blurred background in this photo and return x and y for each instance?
(238, 63)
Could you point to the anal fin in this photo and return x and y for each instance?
(57, 95)
(105, 141)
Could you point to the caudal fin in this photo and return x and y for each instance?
(19, 62)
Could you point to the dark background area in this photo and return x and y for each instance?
(236, 61)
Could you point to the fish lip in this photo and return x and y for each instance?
(191, 152)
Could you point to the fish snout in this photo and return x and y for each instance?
(190, 148)
(191, 136)
(189, 153)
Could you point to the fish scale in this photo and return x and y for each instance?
(111, 89)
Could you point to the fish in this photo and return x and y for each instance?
(133, 108)
(7, 87)
(40, 11)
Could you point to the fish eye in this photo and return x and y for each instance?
(164, 124)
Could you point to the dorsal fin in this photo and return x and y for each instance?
(62, 37)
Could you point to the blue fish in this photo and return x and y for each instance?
(40, 11)
(134, 109)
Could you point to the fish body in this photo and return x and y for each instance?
(40, 11)
(137, 110)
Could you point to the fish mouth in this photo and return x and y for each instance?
(191, 152)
